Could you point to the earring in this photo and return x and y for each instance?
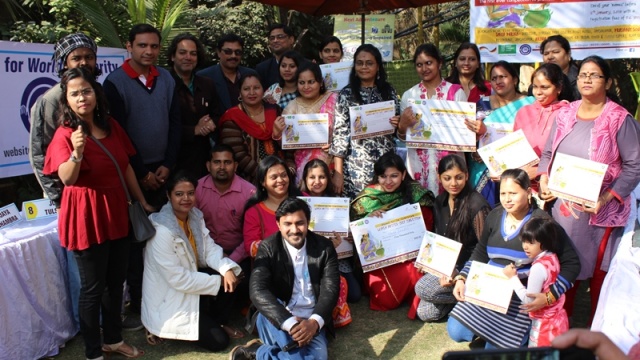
(378, 76)
(240, 98)
(529, 200)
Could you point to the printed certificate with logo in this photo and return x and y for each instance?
(391, 239)
(329, 217)
(500, 121)
(510, 152)
(440, 125)
(438, 255)
(303, 131)
(336, 76)
(489, 287)
(576, 179)
(372, 120)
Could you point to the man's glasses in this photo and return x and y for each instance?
(227, 51)
(278, 37)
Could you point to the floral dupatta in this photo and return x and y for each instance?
(371, 199)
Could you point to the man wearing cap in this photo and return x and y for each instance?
(70, 52)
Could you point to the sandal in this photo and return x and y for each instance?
(233, 333)
(117, 349)
(152, 339)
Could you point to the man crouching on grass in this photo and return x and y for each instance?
(294, 285)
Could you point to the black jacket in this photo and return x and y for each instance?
(272, 278)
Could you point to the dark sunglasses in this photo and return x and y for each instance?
(231, 51)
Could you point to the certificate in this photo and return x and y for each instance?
(440, 125)
(303, 131)
(330, 215)
(510, 152)
(500, 121)
(576, 179)
(372, 120)
(489, 287)
(438, 255)
(336, 75)
(391, 239)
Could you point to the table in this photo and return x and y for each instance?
(35, 309)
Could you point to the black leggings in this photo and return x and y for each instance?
(211, 335)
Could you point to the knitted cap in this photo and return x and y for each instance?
(68, 44)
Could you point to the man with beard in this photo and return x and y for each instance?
(221, 196)
(226, 75)
(281, 40)
(294, 285)
(198, 103)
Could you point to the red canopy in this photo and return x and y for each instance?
(327, 7)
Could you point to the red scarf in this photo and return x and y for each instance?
(249, 126)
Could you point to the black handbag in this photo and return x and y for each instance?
(141, 226)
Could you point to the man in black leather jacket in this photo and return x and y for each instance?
(294, 285)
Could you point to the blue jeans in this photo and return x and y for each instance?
(74, 286)
(275, 339)
(460, 333)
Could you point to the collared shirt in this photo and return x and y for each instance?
(223, 213)
(147, 81)
(302, 301)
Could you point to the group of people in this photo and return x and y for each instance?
(202, 152)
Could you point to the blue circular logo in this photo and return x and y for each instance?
(31, 93)
(525, 49)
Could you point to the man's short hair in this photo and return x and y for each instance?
(173, 47)
(218, 148)
(143, 29)
(291, 205)
(229, 38)
(287, 30)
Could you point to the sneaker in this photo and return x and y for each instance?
(131, 323)
(245, 352)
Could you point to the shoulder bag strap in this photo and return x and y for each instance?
(124, 185)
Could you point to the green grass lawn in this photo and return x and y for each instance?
(371, 335)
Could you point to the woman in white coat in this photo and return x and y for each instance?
(178, 282)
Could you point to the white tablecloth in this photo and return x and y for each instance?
(35, 310)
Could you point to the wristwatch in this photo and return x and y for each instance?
(75, 159)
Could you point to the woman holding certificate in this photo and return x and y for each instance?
(500, 245)
(391, 187)
(467, 73)
(251, 127)
(354, 159)
(422, 163)
(504, 81)
(285, 90)
(459, 213)
(535, 120)
(273, 183)
(313, 99)
(598, 129)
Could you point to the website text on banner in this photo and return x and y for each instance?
(512, 30)
(27, 72)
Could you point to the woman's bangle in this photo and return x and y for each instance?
(550, 298)
(276, 138)
(460, 277)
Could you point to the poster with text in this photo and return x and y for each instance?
(379, 31)
(512, 30)
(28, 72)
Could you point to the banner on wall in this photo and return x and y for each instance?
(379, 31)
(26, 72)
(512, 30)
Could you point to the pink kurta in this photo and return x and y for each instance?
(550, 321)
